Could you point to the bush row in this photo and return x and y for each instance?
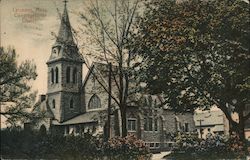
(21, 144)
(213, 147)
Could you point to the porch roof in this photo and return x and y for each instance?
(88, 117)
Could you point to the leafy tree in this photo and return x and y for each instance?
(197, 54)
(107, 26)
(15, 91)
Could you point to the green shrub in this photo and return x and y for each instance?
(126, 148)
(27, 145)
(214, 147)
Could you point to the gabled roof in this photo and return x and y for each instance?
(99, 67)
(88, 74)
(43, 107)
(88, 117)
(150, 100)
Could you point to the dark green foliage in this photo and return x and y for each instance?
(16, 97)
(214, 147)
(197, 53)
(21, 144)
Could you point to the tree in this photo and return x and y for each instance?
(15, 95)
(107, 26)
(197, 53)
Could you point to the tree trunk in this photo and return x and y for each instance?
(117, 123)
(109, 102)
(241, 126)
(124, 121)
(235, 127)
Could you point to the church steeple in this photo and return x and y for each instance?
(65, 48)
(65, 36)
(65, 73)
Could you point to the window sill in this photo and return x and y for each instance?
(133, 131)
(96, 109)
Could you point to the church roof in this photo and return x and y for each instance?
(43, 107)
(102, 70)
(88, 117)
(65, 35)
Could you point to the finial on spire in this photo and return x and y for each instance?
(65, 2)
(65, 33)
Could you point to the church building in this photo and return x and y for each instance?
(75, 104)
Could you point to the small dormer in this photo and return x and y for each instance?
(55, 52)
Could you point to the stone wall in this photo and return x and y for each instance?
(62, 92)
(65, 101)
(58, 106)
(46, 122)
(166, 123)
(93, 87)
(54, 87)
(166, 118)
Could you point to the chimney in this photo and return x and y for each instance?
(42, 97)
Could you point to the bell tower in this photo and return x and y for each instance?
(64, 73)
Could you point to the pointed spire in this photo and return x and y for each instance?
(65, 47)
(65, 33)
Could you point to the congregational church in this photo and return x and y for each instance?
(75, 104)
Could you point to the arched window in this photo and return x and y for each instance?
(94, 102)
(186, 128)
(143, 101)
(150, 101)
(68, 75)
(145, 124)
(150, 124)
(52, 75)
(53, 103)
(42, 130)
(71, 104)
(180, 126)
(56, 74)
(75, 75)
(177, 127)
(155, 103)
(156, 124)
(131, 122)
